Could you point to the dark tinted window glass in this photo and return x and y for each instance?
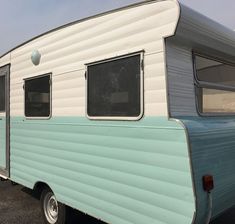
(216, 72)
(114, 88)
(2, 93)
(37, 97)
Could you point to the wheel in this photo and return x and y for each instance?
(53, 211)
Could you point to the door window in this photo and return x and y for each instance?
(2, 93)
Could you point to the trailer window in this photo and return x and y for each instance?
(38, 97)
(2, 93)
(114, 88)
(215, 86)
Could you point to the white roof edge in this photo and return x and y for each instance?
(144, 2)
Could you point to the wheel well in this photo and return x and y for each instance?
(38, 188)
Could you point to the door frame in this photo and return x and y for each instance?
(5, 70)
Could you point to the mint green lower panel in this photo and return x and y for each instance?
(120, 172)
(2, 143)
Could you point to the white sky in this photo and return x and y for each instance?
(20, 20)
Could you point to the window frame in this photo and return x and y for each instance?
(209, 85)
(50, 82)
(119, 118)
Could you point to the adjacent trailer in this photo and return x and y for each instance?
(127, 116)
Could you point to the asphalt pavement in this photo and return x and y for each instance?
(19, 206)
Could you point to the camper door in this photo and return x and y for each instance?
(4, 121)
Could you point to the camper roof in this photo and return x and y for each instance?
(201, 32)
(193, 27)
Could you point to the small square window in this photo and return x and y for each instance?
(114, 88)
(38, 97)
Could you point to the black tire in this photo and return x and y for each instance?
(53, 211)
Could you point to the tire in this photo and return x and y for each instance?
(53, 211)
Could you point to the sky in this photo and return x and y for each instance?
(21, 20)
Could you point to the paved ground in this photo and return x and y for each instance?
(18, 206)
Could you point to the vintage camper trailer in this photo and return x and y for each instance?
(128, 116)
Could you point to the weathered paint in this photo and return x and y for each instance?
(121, 172)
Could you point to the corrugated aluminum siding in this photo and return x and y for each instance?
(211, 138)
(180, 78)
(121, 172)
(66, 51)
(5, 60)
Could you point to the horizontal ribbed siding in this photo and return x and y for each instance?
(120, 172)
(212, 139)
(180, 81)
(213, 143)
(5, 60)
(66, 51)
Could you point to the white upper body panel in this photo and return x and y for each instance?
(65, 51)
